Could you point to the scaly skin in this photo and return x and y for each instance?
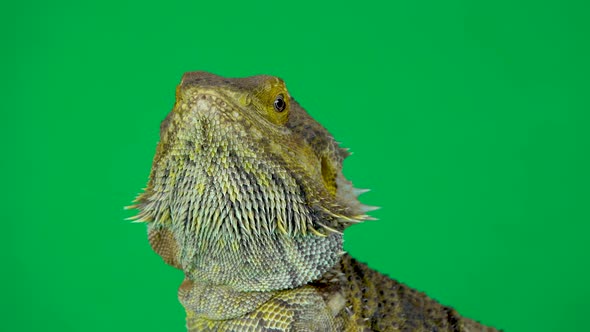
(247, 196)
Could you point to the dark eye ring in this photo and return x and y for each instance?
(280, 104)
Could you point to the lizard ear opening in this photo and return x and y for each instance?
(329, 176)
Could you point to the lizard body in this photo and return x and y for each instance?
(246, 195)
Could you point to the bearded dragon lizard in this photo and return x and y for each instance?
(246, 195)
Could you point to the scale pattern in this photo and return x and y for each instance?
(246, 195)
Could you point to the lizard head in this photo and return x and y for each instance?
(239, 159)
(246, 140)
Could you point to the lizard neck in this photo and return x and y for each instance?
(273, 261)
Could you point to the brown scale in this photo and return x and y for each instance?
(377, 303)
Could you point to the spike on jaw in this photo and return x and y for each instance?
(358, 191)
(136, 219)
(281, 228)
(369, 218)
(142, 216)
(368, 208)
(329, 228)
(138, 197)
(315, 231)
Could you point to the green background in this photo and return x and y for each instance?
(468, 120)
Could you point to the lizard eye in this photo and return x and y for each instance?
(279, 103)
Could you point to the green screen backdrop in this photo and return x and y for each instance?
(467, 119)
